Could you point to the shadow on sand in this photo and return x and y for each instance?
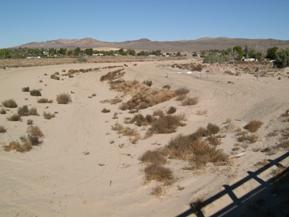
(269, 199)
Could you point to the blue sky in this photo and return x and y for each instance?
(117, 20)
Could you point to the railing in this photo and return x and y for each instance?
(229, 190)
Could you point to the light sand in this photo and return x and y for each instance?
(78, 172)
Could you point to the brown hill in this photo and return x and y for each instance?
(146, 44)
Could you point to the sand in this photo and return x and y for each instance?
(83, 168)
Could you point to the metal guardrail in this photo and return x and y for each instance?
(228, 190)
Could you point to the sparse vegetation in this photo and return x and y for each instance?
(10, 103)
(34, 135)
(158, 173)
(2, 129)
(25, 111)
(253, 126)
(25, 89)
(2, 111)
(63, 98)
(153, 157)
(182, 91)
(14, 117)
(35, 92)
(44, 100)
(126, 131)
(48, 115)
(105, 110)
(171, 110)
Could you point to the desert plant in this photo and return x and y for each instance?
(44, 100)
(153, 157)
(182, 91)
(25, 111)
(212, 128)
(63, 98)
(48, 115)
(10, 103)
(158, 173)
(29, 122)
(17, 146)
(2, 111)
(2, 129)
(34, 135)
(171, 110)
(105, 110)
(25, 89)
(253, 126)
(148, 82)
(190, 101)
(14, 117)
(35, 92)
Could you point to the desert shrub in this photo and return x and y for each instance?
(168, 87)
(158, 173)
(113, 75)
(29, 122)
(44, 100)
(244, 137)
(212, 128)
(48, 115)
(153, 157)
(2, 129)
(159, 113)
(35, 93)
(10, 103)
(148, 82)
(17, 146)
(253, 126)
(34, 135)
(54, 77)
(14, 117)
(171, 110)
(166, 124)
(2, 111)
(182, 91)
(126, 131)
(190, 101)
(213, 140)
(181, 97)
(141, 120)
(105, 110)
(63, 98)
(25, 89)
(25, 111)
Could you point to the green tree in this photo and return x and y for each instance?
(77, 51)
(272, 53)
(88, 51)
(131, 52)
(238, 52)
(282, 58)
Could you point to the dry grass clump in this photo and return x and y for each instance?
(157, 191)
(105, 110)
(189, 66)
(166, 124)
(17, 146)
(113, 75)
(2, 129)
(153, 157)
(14, 117)
(10, 103)
(253, 126)
(63, 98)
(213, 140)
(25, 89)
(245, 137)
(141, 120)
(2, 111)
(48, 115)
(25, 111)
(190, 101)
(148, 82)
(156, 172)
(182, 91)
(171, 110)
(55, 76)
(34, 135)
(44, 100)
(213, 129)
(35, 93)
(133, 135)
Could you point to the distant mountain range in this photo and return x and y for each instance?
(170, 46)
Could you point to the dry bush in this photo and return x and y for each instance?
(63, 98)
(213, 140)
(113, 75)
(195, 150)
(157, 191)
(48, 115)
(25, 111)
(2, 129)
(126, 131)
(10, 103)
(2, 111)
(212, 129)
(15, 145)
(189, 66)
(190, 101)
(141, 120)
(171, 110)
(168, 87)
(44, 100)
(158, 113)
(34, 135)
(165, 124)
(14, 117)
(29, 122)
(158, 173)
(35, 93)
(105, 110)
(148, 82)
(245, 137)
(153, 157)
(253, 126)
(181, 91)
(25, 89)
(54, 77)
